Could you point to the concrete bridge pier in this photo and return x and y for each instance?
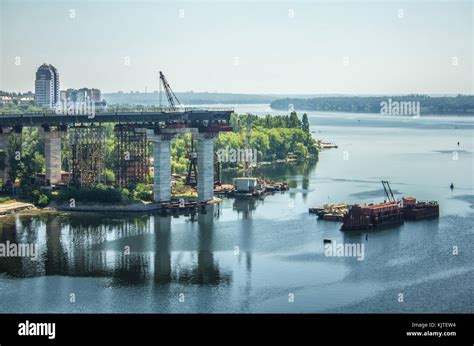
(52, 153)
(205, 167)
(161, 165)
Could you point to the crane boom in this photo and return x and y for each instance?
(169, 93)
(388, 191)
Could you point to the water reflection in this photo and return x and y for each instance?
(162, 255)
(162, 249)
(130, 250)
(245, 206)
(96, 245)
(207, 271)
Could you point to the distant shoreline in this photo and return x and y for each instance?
(306, 102)
(385, 105)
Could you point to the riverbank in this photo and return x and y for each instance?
(137, 206)
(13, 206)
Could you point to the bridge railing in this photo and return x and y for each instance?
(112, 110)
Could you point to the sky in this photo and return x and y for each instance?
(266, 47)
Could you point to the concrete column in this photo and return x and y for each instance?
(161, 166)
(52, 153)
(205, 168)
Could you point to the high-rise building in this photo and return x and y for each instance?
(84, 97)
(47, 86)
(96, 95)
(71, 95)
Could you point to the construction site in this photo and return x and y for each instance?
(141, 139)
(141, 152)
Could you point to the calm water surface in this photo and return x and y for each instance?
(250, 255)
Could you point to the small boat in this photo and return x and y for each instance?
(327, 145)
(316, 210)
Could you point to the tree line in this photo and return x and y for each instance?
(274, 137)
(460, 104)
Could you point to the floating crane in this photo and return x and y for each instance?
(170, 95)
(388, 191)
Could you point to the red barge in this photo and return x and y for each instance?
(388, 214)
(366, 217)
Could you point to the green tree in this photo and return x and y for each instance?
(14, 157)
(305, 123)
(3, 159)
(294, 122)
(300, 151)
(142, 192)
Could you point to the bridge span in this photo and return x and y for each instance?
(133, 131)
(189, 116)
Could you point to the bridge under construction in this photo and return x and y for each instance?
(133, 131)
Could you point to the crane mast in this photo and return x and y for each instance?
(172, 99)
(388, 191)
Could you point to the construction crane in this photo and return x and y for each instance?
(388, 191)
(172, 99)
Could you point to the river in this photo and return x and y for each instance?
(267, 255)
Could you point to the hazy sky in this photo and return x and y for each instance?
(357, 47)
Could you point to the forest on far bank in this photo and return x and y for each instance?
(460, 104)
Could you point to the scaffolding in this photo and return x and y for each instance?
(191, 175)
(88, 153)
(132, 164)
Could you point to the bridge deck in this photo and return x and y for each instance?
(147, 117)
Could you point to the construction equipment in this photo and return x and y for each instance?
(217, 170)
(191, 175)
(172, 99)
(191, 155)
(388, 191)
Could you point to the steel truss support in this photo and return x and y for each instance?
(88, 154)
(132, 164)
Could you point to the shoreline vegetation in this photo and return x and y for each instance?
(275, 139)
(459, 105)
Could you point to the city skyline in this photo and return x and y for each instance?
(287, 48)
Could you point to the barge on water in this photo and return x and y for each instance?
(371, 216)
(391, 213)
(388, 214)
(413, 210)
(181, 207)
(249, 187)
(330, 212)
